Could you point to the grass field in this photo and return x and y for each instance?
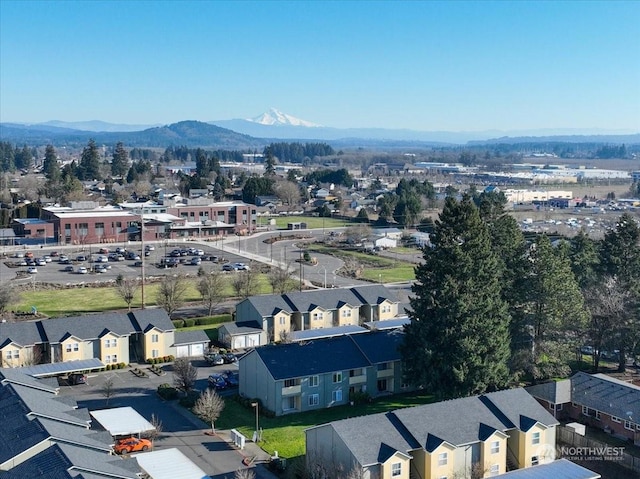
(311, 221)
(285, 434)
(376, 268)
(89, 300)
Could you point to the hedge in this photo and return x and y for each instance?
(178, 323)
(225, 318)
(189, 323)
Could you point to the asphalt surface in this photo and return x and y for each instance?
(214, 454)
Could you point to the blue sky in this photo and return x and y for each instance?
(457, 66)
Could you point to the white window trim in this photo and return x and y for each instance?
(495, 447)
(314, 400)
(535, 438)
(396, 469)
(443, 459)
(314, 381)
(615, 419)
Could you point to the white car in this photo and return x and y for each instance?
(82, 270)
(32, 270)
(41, 262)
(102, 259)
(149, 247)
(47, 258)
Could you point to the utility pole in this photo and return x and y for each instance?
(300, 269)
(142, 254)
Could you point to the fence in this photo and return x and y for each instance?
(585, 448)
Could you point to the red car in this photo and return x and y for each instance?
(131, 444)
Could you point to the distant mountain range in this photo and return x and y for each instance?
(273, 126)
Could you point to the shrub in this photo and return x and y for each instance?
(121, 365)
(178, 323)
(189, 323)
(149, 361)
(172, 357)
(167, 392)
(165, 359)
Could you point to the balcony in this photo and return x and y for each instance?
(362, 378)
(385, 373)
(290, 390)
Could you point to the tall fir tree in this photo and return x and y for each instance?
(458, 343)
(119, 161)
(583, 254)
(550, 316)
(50, 166)
(269, 162)
(89, 167)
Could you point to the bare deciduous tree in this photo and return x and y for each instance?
(184, 374)
(157, 427)
(208, 407)
(288, 192)
(281, 280)
(610, 305)
(107, 389)
(211, 288)
(8, 295)
(244, 474)
(285, 336)
(171, 293)
(245, 283)
(127, 289)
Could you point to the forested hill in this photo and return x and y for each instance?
(187, 133)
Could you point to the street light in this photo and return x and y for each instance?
(324, 268)
(257, 434)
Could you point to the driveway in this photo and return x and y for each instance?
(181, 429)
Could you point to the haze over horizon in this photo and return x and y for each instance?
(425, 66)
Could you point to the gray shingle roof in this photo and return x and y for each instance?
(306, 301)
(50, 463)
(61, 432)
(381, 433)
(90, 326)
(147, 319)
(555, 392)
(190, 337)
(18, 433)
(458, 422)
(242, 328)
(519, 408)
(560, 469)
(607, 395)
(320, 333)
(18, 376)
(44, 404)
(23, 333)
(380, 346)
(294, 360)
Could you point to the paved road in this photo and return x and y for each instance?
(213, 454)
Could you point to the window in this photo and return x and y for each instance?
(382, 385)
(558, 407)
(314, 381)
(289, 403)
(346, 313)
(442, 459)
(15, 354)
(76, 347)
(535, 438)
(535, 461)
(386, 308)
(155, 338)
(585, 410)
(337, 377)
(628, 425)
(113, 358)
(396, 469)
(111, 343)
(494, 470)
(99, 229)
(72, 347)
(495, 447)
(282, 320)
(317, 316)
(336, 396)
(383, 366)
(155, 353)
(597, 414)
(289, 383)
(355, 372)
(314, 399)
(615, 419)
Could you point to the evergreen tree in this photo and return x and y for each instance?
(23, 158)
(89, 167)
(50, 166)
(269, 163)
(583, 254)
(457, 343)
(550, 316)
(119, 161)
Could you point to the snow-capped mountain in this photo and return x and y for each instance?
(275, 117)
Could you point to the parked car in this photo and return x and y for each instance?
(132, 255)
(63, 259)
(216, 381)
(231, 378)
(68, 268)
(32, 270)
(41, 262)
(54, 254)
(104, 251)
(241, 266)
(100, 269)
(137, 264)
(196, 261)
(214, 359)
(102, 259)
(82, 270)
(28, 254)
(149, 247)
(121, 250)
(76, 378)
(81, 257)
(198, 252)
(131, 444)
(229, 267)
(47, 258)
(229, 358)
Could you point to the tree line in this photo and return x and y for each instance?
(491, 309)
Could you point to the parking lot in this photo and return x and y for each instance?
(180, 428)
(64, 265)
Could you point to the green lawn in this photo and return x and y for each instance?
(312, 222)
(89, 300)
(285, 434)
(376, 268)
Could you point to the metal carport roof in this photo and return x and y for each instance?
(169, 464)
(54, 369)
(122, 421)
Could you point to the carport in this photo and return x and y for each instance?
(169, 464)
(122, 421)
(66, 367)
(191, 343)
